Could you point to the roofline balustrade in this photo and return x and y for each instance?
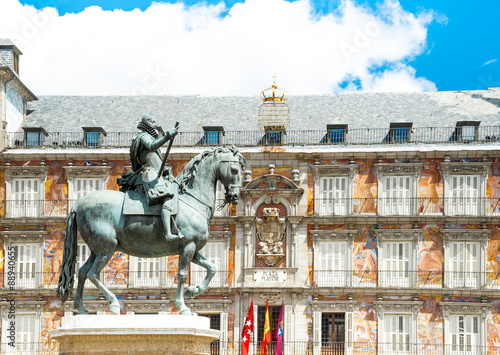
(352, 137)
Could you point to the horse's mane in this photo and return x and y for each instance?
(191, 169)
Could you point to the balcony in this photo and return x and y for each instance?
(31, 348)
(408, 207)
(61, 208)
(115, 280)
(452, 280)
(352, 137)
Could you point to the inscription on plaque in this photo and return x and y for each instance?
(269, 276)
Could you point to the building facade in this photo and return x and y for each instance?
(373, 218)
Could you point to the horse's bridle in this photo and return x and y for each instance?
(229, 187)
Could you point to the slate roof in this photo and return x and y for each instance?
(307, 112)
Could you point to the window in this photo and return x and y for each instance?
(145, 272)
(333, 195)
(398, 255)
(398, 326)
(464, 255)
(332, 328)
(397, 188)
(464, 187)
(463, 264)
(85, 179)
(464, 333)
(331, 264)
(463, 195)
(336, 133)
(274, 314)
(33, 136)
(332, 257)
(212, 134)
(464, 327)
(93, 136)
(26, 268)
(333, 189)
(397, 196)
(27, 337)
(466, 131)
(273, 137)
(25, 198)
(399, 132)
(83, 253)
(83, 186)
(398, 332)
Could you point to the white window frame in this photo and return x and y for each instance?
(39, 173)
(35, 239)
(451, 309)
(221, 278)
(346, 307)
(333, 278)
(344, 207)
(219, 199)
(480, 236)
(408, 308)
(30, 308)
(73, 173)
(388, 276)
(450, 170)
(389, 206)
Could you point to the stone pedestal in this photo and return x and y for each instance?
(134, 334)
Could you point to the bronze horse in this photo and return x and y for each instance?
(99, 219)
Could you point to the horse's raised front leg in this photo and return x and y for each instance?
(200, 260)
(82, 277)
(185, 258)
(101, 260)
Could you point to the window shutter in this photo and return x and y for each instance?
(147, 272)
(223, 335)
(83, 186)
(26, 332)
(349, 332)
(288, 336)
(26, 269)
(471, 252)
(326, 195)
(317, 333)
(340, 193)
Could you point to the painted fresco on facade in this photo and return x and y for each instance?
(365, 187)
(493, 257)
(365, 324)
(430, 257)
(365, 258)
(430, 324)
(285, 171)
(430, 188)
(51, 319)
(116, 271)
(53, 254)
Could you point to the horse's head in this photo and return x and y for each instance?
(229, 171)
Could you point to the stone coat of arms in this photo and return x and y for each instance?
(271, 235)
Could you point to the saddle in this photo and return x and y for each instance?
(136, 203)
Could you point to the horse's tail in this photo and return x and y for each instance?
(67, 276)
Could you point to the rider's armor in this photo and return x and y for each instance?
(146, 161)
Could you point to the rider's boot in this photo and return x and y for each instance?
(165, 217)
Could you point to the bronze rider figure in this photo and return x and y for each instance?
(146, 161)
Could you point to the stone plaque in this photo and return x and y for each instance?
(266, 276)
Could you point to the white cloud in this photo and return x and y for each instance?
(179, 49)
(491, 61)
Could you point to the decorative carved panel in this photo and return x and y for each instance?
(465, 308)
(463, 168)
(398, 169)
(39, 172)
(333, 306)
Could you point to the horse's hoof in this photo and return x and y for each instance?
(185, 311)
(83, 311)
(115, 308)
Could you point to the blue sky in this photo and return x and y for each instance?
(456, 45)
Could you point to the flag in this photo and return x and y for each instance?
(266, 337)
(279, 333)
(247, 330)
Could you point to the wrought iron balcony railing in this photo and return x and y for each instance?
(112, 279)
(60, 208)
(409, 207)
(407, 279)
(30, 348)
(362, 348)
(359, 136)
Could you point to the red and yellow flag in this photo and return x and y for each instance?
(266, 337)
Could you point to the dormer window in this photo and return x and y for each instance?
(93, 136)
(273, 137)
(336, 133)
(466, 131)
(400, 132)
(34, 136)
(212, 134)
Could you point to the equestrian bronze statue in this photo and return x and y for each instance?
(153, 215)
